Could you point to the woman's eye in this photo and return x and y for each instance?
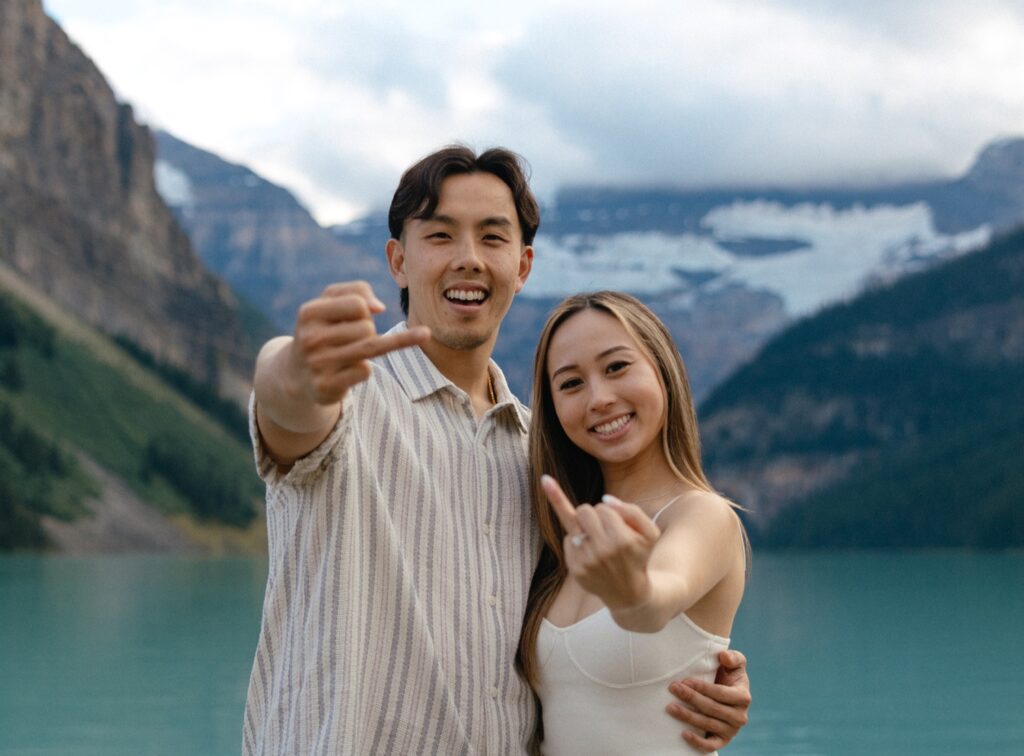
(618, 365)
(569, 384)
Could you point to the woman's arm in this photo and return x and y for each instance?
(644, 577)
(700, 544)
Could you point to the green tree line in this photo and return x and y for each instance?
(936, 416)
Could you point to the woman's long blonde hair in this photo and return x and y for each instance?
(579, 474)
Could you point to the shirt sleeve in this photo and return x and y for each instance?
(305, 468)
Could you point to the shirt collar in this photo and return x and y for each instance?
(505, 398)
(420, 378)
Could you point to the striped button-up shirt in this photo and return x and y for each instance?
(401, 552)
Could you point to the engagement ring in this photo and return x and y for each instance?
(578, 539)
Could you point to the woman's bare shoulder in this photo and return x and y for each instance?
(708, 508)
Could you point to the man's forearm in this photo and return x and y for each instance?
(290, 422)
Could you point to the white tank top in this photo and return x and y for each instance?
(604, 689)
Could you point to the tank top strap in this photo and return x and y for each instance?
(671, 502)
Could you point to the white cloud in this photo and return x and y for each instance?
(335, 99)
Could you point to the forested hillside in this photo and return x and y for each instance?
(896, 419)
(71, 400)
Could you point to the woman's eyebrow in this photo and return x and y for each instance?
(603, 354)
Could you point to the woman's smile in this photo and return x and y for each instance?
(614, 429)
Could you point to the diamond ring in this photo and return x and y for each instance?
(578, 539)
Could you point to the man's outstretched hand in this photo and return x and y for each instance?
(335, 337)
(301, 380)
(718, 709)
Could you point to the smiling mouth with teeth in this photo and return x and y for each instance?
(474, 296)
(606, 429)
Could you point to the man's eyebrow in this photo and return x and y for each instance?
(498, 220)
(445, 219)
(495, 220)
(603, 354)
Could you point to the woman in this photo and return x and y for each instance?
(644, 564)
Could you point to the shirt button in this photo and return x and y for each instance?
(493, 692)
(492, 600)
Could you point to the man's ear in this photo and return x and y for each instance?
(396, 262)
(525, 266)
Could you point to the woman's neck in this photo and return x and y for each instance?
(647, 484)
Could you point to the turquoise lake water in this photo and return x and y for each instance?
(860, 653)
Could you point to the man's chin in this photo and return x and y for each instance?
(462, 340)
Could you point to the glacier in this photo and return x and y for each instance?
(837, 252)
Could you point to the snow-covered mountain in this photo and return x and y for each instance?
(807, 254)
(726, 269)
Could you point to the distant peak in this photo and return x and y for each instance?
(1002, 159)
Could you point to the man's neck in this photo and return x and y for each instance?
(466, 368)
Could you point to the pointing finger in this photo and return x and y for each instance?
(390, 342)
(633, 516)
(564, 509)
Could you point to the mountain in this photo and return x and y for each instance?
(894, 419)
(80, 217)
(728, 268)
(256, 235)
(105, 448)
(122, 358)
(725, 268)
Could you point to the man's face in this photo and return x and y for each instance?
(464, 264)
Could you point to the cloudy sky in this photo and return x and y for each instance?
(333, 98)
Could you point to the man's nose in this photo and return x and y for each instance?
(467, 255)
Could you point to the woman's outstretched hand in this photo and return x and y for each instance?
(607, 547)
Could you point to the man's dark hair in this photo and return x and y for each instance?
(419, 191)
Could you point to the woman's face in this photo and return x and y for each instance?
(605, 390)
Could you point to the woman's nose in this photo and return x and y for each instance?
(600, 395)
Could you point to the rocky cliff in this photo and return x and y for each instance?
(256, 235)
(80, 217)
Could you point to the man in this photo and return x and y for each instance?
(401, 544)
